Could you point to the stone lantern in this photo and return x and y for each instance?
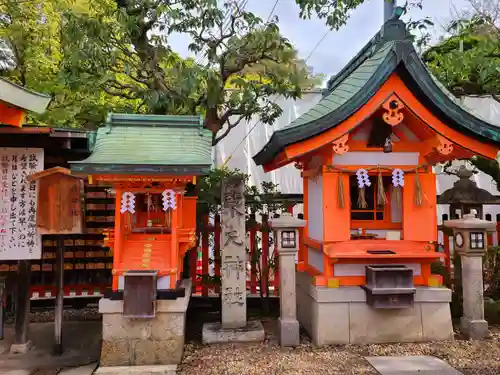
(287, 242)
(465, 195)
(470, 242)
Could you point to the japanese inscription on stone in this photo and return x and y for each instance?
(233, 254)
(18, 203)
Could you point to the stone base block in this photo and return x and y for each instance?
(341, 316)
(21, 348)
(474, 329)
(144, 342)
(289, 333)
(213, 333)
(137, 370)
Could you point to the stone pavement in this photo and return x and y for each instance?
(81, 343)
(411, 365)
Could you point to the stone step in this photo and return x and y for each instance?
(411, 365)
(81, 370)
(137, 370)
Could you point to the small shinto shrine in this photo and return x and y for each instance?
(150, 162)
(366, 152)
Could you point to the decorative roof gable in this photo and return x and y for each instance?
(149, 144)
(390, 51)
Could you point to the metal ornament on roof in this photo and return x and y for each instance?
(363, 178)
(398, 178)
(169, 199)
(128, 203)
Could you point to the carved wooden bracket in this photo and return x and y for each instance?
(445, 146)
(393, 115)
(340, 146)
(299, 165)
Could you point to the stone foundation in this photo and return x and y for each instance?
(341, 316)
(144, 342)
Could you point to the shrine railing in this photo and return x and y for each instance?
(261, 263)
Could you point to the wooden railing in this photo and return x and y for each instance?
(205, 265)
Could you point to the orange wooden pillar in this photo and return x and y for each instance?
(265, 254)
(174, 248)
(302, 254)
(336, 214)
(217, 256)
(118, 238)
(204, 257)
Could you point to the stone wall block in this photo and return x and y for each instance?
(436, 322)
(168, 326)
(156, 352)
(369, 326)
(116, 353)
(332, 325)
(116, 327)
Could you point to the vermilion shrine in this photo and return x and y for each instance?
(150, 162)
(366, 153)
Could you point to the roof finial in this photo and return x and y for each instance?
(398, 12)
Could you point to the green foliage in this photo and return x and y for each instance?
(468, 62)
(263, 199)
(124, 46)
(34, 31)
(336, 12)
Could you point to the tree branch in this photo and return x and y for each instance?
(230, 126)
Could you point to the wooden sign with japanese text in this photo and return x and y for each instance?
(233, 254)
(19, 239)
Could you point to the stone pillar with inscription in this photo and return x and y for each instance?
(234, 306)
(234, 326)
(470, 238)
(287, 241)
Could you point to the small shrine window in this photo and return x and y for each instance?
(150, 215)
(372, 211)
(375, 216)
(477, 240)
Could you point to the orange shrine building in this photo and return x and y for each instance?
(366, 152)
(152, 163)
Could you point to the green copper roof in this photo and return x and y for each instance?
(149, 144)
(390, 50)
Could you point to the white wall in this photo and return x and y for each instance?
(315, 208)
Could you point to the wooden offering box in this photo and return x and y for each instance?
(389, 286)
(59, 203)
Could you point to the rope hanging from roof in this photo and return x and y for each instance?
(381, 198)
(363, 180)
(340, 191)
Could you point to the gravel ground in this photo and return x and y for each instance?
(471, 358)
(69, 314)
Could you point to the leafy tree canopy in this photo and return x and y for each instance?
(468, 62)
(122, 47)
(33, 55)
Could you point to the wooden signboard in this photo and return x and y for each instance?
(59, 203)
(19, 239)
